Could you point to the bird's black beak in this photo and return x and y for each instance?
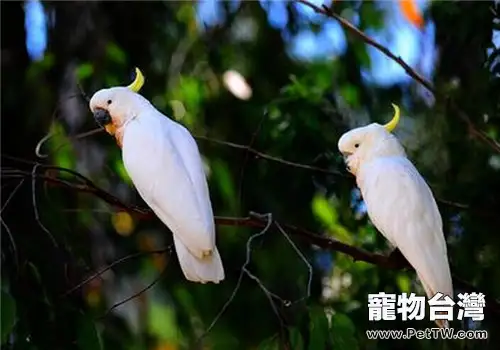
(102, 117)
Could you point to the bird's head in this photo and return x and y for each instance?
(366, 143)
(114, 107)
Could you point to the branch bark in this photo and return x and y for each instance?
(85, 185)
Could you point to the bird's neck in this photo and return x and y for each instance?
(119, 130)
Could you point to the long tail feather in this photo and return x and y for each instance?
(207, 269)
(430, 293)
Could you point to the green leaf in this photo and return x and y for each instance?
(319, 330)
(403, 283)
(60, 146)
(8, 310)
(296, 340)
(84, 71)
(328, 216)
(224, 180)
(115, 53)
(88, 337)
(161, 322)
(371, 16)
(350, 94)
(343, 332)
(323, 211)
(122, 172)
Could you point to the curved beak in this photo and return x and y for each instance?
(104, 120)
(102, 117)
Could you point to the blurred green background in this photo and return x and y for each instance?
(286, 82)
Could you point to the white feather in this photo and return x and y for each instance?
(165, 166)
(401, 206)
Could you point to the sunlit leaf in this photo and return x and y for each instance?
(324, 211)
(404, 283)
(161, 322)
(328, 216)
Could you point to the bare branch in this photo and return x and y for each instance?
(267, 218)
(12, 194)
(35, 207)
(113, 264)
(135, 295)
(330, 244)
(12, 242)
(309, 266)
(271, 158)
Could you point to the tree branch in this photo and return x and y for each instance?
(271, 158)
(410, 71)
(253, 221)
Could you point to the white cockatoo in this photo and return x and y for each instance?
(399, 202)
(163, 161)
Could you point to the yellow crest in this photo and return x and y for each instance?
(138, 82)
(395, 119)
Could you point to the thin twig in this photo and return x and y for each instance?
(135, 295)
(269, 295)
(350, 27)
(245, 160)
(12, 242)
(35, 207)
(267, 218)
(113, 264)
(11, 195)
(272, 158)
(308, 264)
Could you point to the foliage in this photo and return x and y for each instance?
(297, 112)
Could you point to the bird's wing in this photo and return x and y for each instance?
(401, 206)
(159, 161)
(190, 155)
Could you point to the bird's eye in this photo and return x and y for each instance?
(109, 102)
(356, 145)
